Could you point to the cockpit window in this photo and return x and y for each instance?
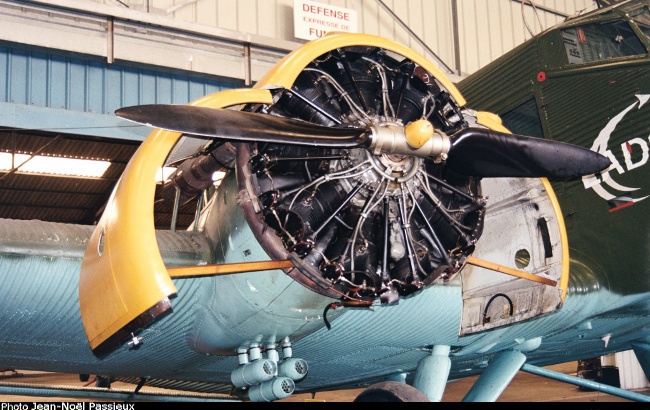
(642, 19)
(601, 41)
(524, 120)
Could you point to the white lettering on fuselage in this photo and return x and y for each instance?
(628, 148)
(635, 152)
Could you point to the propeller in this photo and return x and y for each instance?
(472, 151)
(241, 125)
(486, 153)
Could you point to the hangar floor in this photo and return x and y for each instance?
(525, 387)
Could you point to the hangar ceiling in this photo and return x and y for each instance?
(67, 199)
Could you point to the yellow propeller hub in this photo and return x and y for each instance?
(418, 133)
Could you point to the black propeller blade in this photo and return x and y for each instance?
(486, 153)
(474, 151)
(241, 126)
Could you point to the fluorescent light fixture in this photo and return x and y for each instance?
(56, 166)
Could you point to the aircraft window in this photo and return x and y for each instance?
(524, 120)
(601, 41)
(642, 19)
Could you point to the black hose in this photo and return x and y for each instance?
(330, 306)
(490, 301)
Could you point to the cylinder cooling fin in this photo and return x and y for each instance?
(360, 224)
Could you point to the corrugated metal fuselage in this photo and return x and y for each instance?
(41, 324)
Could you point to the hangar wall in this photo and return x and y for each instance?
(487, 28)
(58, 93)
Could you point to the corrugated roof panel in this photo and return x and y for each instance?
(70, 146)
(51, 199)
(45, 184)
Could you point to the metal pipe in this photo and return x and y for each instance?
(293, 368)
(315, 106)
(110, 39)
(433, 235)
(254, 373)
(338, 209)
(406, 227)
(615, 391)
(456, 33)
(348, 71)
(543, 8)
(384, 264)
(455, 224)
(197, 217)
(451, 188)
(275, 389)
(273, 159)
(177, 205)
(248, 71)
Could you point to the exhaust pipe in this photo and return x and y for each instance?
(277, 389)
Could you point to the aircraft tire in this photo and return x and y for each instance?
(391, 392)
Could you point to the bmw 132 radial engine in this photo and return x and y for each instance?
(365, 173)
(370, 223)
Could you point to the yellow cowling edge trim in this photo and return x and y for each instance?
(131, 277)
(288, 69)
(493, 122)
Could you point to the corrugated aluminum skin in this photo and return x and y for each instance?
(48, 319)
(506, 78)
(362, 343)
